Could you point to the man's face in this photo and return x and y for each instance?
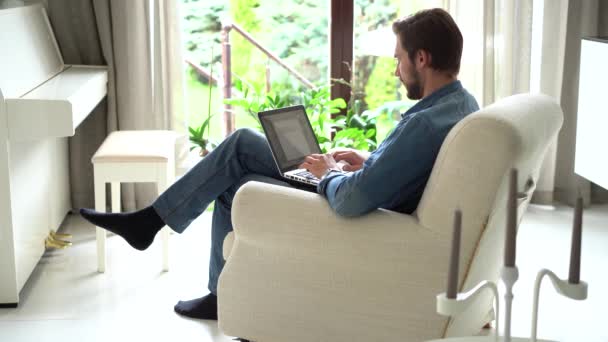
(407, 73)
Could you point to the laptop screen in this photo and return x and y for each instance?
(290, 136)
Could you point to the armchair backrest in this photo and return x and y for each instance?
(471, 173)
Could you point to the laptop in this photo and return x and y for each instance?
(291, 139)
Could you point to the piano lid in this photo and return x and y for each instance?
(44, 98)
(30, 54)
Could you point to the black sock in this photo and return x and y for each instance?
(138, 227)
(201, 308)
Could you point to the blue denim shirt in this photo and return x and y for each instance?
(396, 173)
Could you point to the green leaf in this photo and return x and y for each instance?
(341, 134)
(238, 102)
(321, 121)
(206, 123)
(357, 121)
(238, 84)
(363, 146)
(269, 99)
(371, 114)
(193, 136)
(340, 122)
(322, 139)
(256, 107)
(338, 103)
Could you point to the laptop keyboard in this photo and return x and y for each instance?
(303, 176)
(306, 174)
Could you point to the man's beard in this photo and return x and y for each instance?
(414, 89)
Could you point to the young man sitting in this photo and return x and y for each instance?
(428, 52)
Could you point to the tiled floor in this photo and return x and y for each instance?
(544, 242)
(67, 300)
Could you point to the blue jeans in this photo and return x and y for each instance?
(242, 157)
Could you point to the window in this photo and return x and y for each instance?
(295, 32)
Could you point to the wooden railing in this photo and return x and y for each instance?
(228, 116)
(227, 69)
(203, 72)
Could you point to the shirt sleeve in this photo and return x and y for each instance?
(383, 180)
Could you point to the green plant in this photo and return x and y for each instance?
(197, 138)
(253, 100)
(197, 134)
(320, 108)
(297, 32)
(353, 130)
(356, 130)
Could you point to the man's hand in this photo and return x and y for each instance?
(354, 158)
(318, 164)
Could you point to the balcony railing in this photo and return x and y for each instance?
(228, 121)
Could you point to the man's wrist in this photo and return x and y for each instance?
(330, 171)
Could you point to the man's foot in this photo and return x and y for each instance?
(201, 308)
(138, 228)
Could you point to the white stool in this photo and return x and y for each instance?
(131, 157)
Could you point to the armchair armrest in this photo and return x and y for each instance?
(270, 214)
(296, 265)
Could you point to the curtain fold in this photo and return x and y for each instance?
(141, 47)
(168, 63)
(497, 46)
(81, 46)
(498, 63)
(514, 49)
(553, 49)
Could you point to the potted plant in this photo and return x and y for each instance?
(198, 139)
(197, 134)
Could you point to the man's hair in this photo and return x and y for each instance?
(435, 32)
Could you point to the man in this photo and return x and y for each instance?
(428, 51)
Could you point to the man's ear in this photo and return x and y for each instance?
(423, 58)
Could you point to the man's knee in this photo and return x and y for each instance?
(249, 137)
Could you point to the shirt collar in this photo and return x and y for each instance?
(430, 100)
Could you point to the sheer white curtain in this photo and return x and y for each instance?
(139, 42)
(148, 69)
(497, 46)
(517, 46)
(496, 60)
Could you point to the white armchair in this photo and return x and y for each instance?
(296, 271)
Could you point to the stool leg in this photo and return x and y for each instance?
(165, 238)
(115, 197)
(162, 185)
(100, 205)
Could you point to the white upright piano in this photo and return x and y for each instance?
(42, 101)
